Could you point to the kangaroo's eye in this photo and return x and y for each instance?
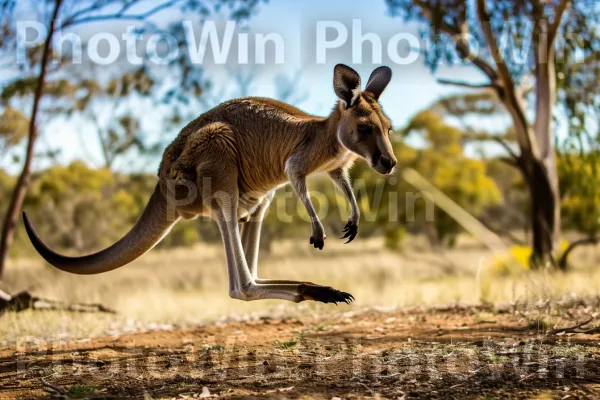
(364, 130)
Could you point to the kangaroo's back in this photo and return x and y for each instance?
(265, 133)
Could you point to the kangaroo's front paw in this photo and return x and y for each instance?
(324, 294)
(318, 239)
(350, 231)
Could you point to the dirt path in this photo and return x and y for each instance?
(447, 354)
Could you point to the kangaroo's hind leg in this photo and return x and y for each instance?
(243, 285)
(251, 230)
(251, 233)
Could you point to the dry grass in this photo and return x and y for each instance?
(189, 286)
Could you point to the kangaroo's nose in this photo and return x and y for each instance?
(387, 163)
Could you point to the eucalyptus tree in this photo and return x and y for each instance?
(528, 53)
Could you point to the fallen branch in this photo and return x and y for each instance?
(25, 301)
(55, 391)
(572, 329)
(590, 331)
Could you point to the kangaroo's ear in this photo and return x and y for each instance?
(346, 83)
(378, 80)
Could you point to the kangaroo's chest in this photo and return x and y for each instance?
(340, 160)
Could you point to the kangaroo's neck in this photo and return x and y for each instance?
(323, 130)
(329, 131)
(320, 140)
(332, 122)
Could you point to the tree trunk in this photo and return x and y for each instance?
(543, 182)
(18, 195)
(544, 203)
(545, 172)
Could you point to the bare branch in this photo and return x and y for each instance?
(122, 15)
(513, 104)
(569, 329)
(97, 5)
(506, 147)
(513, 163)
(474, 135)
(466, 84)
(559, 11)
(490, 38)
(20, 190)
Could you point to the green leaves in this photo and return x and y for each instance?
(137, 81)
(18, 88)
(478, 103)
(579, 177)
(443, 162)
(13, 127)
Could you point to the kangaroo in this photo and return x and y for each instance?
(227, 164)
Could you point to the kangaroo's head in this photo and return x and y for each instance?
(363, 127)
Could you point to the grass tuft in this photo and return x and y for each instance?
(81, 391)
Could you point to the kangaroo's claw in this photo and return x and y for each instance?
(350, 230)
(325, 294)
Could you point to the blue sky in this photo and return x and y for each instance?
(413, 87)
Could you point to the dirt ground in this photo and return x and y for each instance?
(453, 352)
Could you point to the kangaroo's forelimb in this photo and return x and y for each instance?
(342, 181)
(297, 177)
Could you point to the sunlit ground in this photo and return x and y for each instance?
(189, 286)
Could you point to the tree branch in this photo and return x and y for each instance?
(490, 38)
(543, 36)
(562, 263)
(510, 99)
(466, 84)
(97, 5)
(508, 149)
(559, 11)
(121, 14)
(20, 190)
(462, 46)
(511, 162)
(573, 328)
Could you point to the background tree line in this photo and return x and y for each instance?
(81, 208)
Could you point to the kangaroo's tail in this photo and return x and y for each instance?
(147, 232)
